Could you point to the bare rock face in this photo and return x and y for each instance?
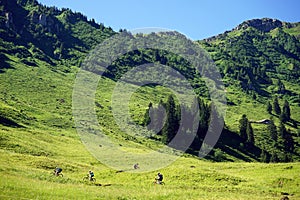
(43, 19)
(265, 24)
(46, 21)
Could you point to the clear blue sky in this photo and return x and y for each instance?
(197, 19)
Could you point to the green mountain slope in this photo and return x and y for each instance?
(258, 61)
(42, 49)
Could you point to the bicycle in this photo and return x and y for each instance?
(88, 178)
(55, 174)
(158, 182)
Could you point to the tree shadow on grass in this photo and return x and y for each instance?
(8, 122)
(3, 63)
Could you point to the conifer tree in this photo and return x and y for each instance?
(204, 117)
(287, 139)
(250, 134)
(276, 106)
(264, 156)
(286, 112)
(272, 130)
(171, 124)
(274, 157)
(147, 118)
(243, 127)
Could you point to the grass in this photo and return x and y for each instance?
(39, 100)
(28, 177)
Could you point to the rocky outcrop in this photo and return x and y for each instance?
(265, 24)
(46, 21)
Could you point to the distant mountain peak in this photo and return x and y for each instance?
(264, 24)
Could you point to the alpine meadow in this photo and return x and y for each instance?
(257, 155)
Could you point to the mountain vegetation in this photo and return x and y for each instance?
(42, 49)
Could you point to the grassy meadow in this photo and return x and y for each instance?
(28, 177)
(40, 135)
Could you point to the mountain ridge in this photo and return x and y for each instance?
(262, 24)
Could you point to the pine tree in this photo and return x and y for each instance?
(269, 108)
(243, 127)
(281, 130)
(286, 112)
(147, 117)
(250, 135)
(264, 156)
(204, 117)
(274, 157)
(276, 106)
(272, 130)
(171, 125)
(288, 141)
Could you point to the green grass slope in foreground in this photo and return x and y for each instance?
(42, 137)
(27, 177)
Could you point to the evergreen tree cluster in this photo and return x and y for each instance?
(279, 145)
(282, 144)
(253, 57)
(284, 113)
(169, 119)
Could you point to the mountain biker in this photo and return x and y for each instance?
(91, 175)
(159, 178)
(136, 166)
(57, 171)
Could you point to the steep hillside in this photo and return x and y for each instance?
(31, 32)
(258, 60)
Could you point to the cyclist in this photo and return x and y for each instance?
(91, 175)
(57, 171)
(159, 178)
(136, 166)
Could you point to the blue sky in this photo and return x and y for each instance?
(197, 19)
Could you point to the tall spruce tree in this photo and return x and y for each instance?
(250, 134)
(264, 156)
(147, 116)
(272, 131)
(171, 125)
(286, 137)
(204, 117)
(286, 112)
(243, 127)
(274, 157)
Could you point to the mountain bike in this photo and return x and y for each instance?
(158, 182)
(88, 178)
(59, 174)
